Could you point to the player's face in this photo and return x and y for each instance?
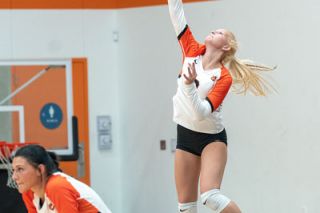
(217, 39)
(25, 175)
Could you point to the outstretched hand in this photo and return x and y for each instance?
(192, 74)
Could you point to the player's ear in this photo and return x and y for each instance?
(226, 47)
(42, 169)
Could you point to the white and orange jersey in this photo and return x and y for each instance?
(197, 106)
(64, 194)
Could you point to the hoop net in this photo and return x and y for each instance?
(7, 150)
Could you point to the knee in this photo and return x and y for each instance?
(215, 200)
(190, 207)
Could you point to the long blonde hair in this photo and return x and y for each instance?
(247, 75)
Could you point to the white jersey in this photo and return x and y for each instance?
(197, 106)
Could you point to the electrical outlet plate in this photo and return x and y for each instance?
(104, 132)
(105, 141)
(104, 123)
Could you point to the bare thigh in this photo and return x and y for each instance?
(187, 171)
(213, 162)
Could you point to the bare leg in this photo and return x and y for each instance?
(213, 162)
(187, 171)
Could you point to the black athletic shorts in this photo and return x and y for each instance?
(194, 142)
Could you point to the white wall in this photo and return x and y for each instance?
(273, 141)
(148, 72)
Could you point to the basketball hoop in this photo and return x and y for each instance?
(7, 150)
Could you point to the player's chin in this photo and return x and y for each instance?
(208, 38)
(21, 188)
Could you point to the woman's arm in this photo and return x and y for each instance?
(189, 46)
(203, 108)
(177, 16)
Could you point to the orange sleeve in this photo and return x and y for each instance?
(190, 47)
(63, 195)
(28, 201)
(220, 90)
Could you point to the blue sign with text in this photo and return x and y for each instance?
(51, 116)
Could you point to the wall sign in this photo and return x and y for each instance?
(51, 116)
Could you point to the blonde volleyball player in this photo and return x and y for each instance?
(206, 76)
(45, 189)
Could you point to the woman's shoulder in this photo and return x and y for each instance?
(57, 180)
(225, 72)
(59, 185)
(58, 189)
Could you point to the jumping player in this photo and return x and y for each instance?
(208, 72)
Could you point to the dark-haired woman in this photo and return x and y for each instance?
(45, 189)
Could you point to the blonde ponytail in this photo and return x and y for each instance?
(247, 76)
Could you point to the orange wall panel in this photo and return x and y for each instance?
(47, 4)
(81, 4)
(33, 98)
(139, 3)
(100, 4)
(5, 4)
(144, 3)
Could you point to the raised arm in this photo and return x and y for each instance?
(177, 16)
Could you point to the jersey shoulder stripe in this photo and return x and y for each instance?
(220, 90)
(190, 47)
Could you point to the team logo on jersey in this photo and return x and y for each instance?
(214, 78)
(51, 206)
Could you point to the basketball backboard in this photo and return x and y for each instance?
(36, 105)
